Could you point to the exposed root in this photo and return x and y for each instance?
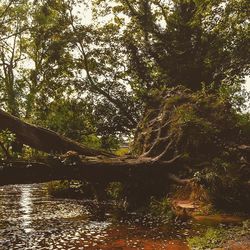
(160, 156)
(172, 160)
(179, 181)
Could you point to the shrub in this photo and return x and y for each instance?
(161, 210)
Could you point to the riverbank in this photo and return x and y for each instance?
(225, 236)
(204, 228)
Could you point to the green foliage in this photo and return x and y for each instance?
(7, 138)
(69, 189)
(211, 239)
(198, 122)
(182, 42)
(243, 123)
(91, 82)
(161, 210)
(217, 237)
(122, 151)
(236, 94)
(92, 141)
(72, 118)
(115, 190)
(110, 142)
(226, 187)
(30, 154)
(111, 66)
(207, 129)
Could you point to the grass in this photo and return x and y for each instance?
(211, 239)
(217, 237)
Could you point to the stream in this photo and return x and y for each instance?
(31, 219)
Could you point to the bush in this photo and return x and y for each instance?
(161, 210)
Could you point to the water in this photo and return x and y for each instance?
(30, 219)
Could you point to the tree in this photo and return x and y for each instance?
(131, 49)
(101, 69)
(59, 60)
(183, 42)
(13, 27)
(46, 48)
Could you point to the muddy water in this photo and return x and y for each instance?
(30, 219)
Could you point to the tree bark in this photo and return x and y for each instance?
(43, 139)
(87, 164)
(92, 169)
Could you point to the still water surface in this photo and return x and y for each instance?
(30, 219)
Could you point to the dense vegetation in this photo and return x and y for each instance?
(169, 74)
(205, 135)
(85, 79)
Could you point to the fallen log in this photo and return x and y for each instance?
(92, 169)
(77, 161)
(43, 139)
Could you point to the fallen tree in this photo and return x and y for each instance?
(41, 138)
(106, 167)
(209, 135)
(76, 162)
(183, 136)
(92, 169)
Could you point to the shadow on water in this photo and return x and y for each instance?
(30, 219)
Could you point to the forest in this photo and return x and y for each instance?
(136, 111)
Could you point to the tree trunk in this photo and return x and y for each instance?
(93, 169)
(87, 164)
(43, 139)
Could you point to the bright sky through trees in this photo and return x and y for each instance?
(85, 13)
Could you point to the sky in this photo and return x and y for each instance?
(248, 83)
